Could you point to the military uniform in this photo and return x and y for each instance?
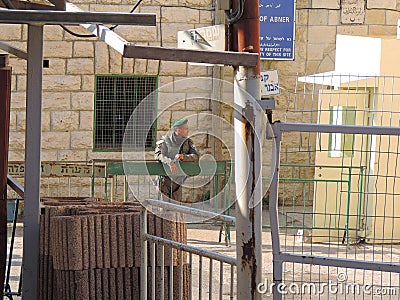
(165, 152)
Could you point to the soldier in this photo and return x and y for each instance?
(170, 149)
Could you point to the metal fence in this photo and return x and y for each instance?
(208, 274)
(348, 128)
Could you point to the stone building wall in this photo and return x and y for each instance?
(68, 85)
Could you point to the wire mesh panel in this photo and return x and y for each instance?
(339, 192)
(116, 99)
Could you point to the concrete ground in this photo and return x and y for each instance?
(360, 284)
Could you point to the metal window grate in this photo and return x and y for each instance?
(116, 98)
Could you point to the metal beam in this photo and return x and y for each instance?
(329, 128)
(32, 162)
(102, 32)
(5, 96)
(15, 4)
(49, 17)
(188, 55)
(13, 50)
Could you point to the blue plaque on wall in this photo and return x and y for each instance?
(277, 29)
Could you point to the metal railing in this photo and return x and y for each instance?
(189, 286)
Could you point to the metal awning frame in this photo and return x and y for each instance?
(92, 21)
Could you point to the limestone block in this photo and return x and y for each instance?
(115, 61)
(21, 82)
(206, 17)
(56, 67)
(55, 140)
(16, 155)
(81, 140)
(200, 140)
(140, 66)
(18, 65)
(18, 100)
(196, 70)
(101, 58)
(137, 33)
(391, 17)
(58, 83)
(9, 32)
(46, 120)
(171, 101)
(197, 104)
(87, 83)
(82, 101)
(60, 49)
(191, 116)
(17, 140)
(353, 30)
(110, 8)
(301, 17)
(53, 33)
(170, 32)
(109, 2)
(192, 85)
(173, 68)
(303, 4)
(13, 120)
(103, 155)
(13, 83)
(204, 121)
(379, 30)
(130, 2)
(334, 17)
(86, 120)
(48, 155)
(165, 84)
(388, 4)
(153, 66)
(318, 17)
(164, 120)
(21, 119)
(77, 66)
(321, 34)
(64, 120)
(127, 65)
(56, 101)
(179, 15)
(71, 155)
(197, 3)
(331, 4)
(83, 49)
(165, 2)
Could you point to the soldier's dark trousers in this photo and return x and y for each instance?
(170, 189)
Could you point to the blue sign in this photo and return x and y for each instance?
(277, 29)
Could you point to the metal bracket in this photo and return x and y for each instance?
(267, 103)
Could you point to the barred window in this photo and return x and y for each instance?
(116, 98)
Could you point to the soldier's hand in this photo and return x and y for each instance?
(179, 157)
(174, 168)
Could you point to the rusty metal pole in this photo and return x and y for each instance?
(248, 165)
(5, 96)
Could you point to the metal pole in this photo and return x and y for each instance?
(5, 96)
(274, 219)
(32, 162)
(248, 131)
(143, 255)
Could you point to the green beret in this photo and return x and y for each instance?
(179, 122)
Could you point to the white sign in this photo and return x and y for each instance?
(210, 38)
(269, 83)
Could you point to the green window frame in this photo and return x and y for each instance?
(340, 144)
(116, 98)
